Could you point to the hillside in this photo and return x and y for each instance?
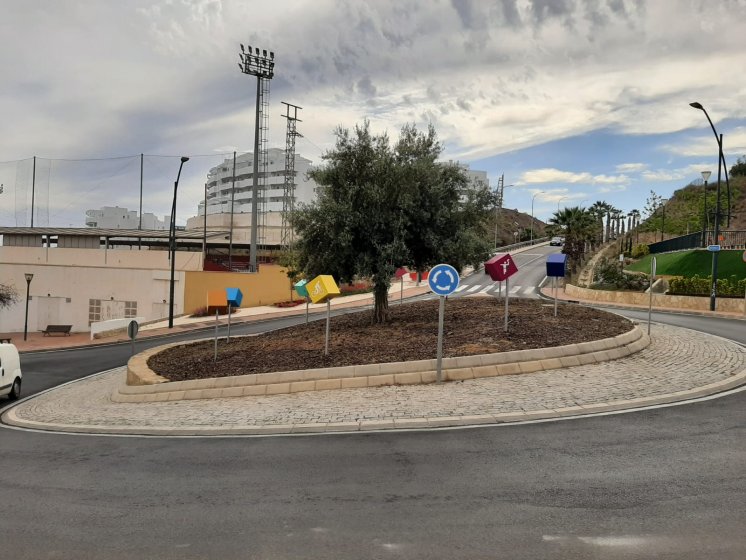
(512, 221)
(684, 211)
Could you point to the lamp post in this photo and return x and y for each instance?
(663, 210)
(705, 177)
(721, 161)
(29, 277)
(560, 200)
(172, 247)
(721, 158)
(532, 215)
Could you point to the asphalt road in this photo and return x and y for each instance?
(664, 483)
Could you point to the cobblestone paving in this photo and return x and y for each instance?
(676, 360)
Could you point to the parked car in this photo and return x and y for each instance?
(10, 371)
(557, 241)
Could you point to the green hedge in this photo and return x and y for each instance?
(701, 286)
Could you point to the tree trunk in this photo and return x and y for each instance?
(381, 303)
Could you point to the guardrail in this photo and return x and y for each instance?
(508, 248)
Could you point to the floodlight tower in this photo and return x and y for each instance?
(257, 63)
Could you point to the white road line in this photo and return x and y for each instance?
(485, 289)
(529, 290)
(472, 288)
(462, 287)
(515, 289)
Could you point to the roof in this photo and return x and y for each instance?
(109, 233)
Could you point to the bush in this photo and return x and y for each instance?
(609, 276)
(701, 286)
(202, 311)
(639, 251)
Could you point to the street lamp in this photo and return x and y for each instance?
(172, 247)
(29, 277)
(662, 205)
(721, 161)
(560, 200)
(532, 215)
(705, 177)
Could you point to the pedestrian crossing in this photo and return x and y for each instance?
(494, 289)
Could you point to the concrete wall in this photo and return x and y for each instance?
(269, 286)
(65, 280)
(733, 305)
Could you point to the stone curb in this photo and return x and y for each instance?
(144, 385)
(391, 424)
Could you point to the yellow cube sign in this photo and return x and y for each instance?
(322, 288)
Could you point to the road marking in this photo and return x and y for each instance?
(515, 289)
(472, 288)
(460, 288)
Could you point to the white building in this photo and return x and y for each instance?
(220, 183)
(114, 217)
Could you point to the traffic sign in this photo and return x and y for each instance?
(132, 329)
(744, 256)
(443, 279)
(713, 248)
(501, 267)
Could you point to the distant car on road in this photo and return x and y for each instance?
(10, 371)
(557, 241)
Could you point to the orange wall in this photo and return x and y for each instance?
(269, 286)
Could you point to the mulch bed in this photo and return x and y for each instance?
(472, 325)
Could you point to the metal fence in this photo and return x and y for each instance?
(732, 239)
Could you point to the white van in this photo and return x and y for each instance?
(10, 371)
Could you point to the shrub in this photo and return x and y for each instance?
(609, 276)
(202, 312)
(639, 251)
(701, 286)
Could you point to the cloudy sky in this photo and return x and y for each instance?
(573, 101)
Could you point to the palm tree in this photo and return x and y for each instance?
(579, 226)
(636, 222)
(598, 211)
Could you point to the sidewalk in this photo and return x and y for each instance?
(548, 293)
(37, 341)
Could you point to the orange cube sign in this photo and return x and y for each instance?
(322, 288)
(216, 298)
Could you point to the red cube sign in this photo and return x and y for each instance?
(501, 267)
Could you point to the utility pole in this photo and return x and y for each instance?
(288, 194)
(257, 63)
(499, 191)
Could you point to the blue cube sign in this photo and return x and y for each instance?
(234, 297)
(301, 289)
(556, 265)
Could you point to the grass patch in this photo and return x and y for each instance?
(689, 263)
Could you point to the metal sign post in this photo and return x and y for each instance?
(228, 338)
(328, 319)
(217, 321)
(401, 291)
(443, 280)
(507, 301)
(653, 264)
(441, 314)
(132, 329)
(554, 287)
(308, 301)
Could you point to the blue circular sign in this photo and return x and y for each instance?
(443, 279)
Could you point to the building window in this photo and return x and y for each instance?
(130, 309)
(94, 311)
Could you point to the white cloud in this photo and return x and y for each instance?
(550, 175)
(631, 167)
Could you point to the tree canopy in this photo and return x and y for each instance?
(8, 295)
(382, 206)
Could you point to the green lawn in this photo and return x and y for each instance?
(689, 263)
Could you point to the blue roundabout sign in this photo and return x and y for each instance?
(443, 279)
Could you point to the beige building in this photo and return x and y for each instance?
(79, 279)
